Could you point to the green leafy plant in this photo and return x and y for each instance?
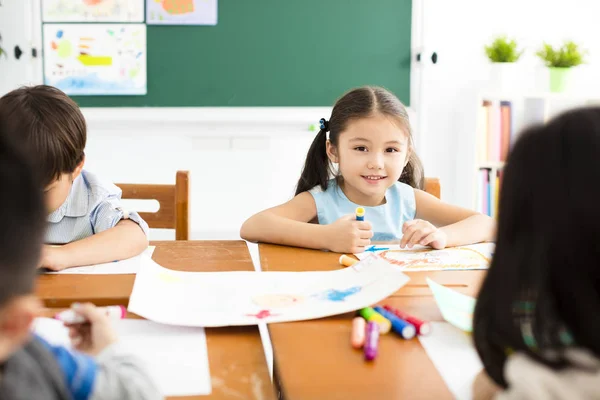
(567, 56)
(2, 51)
(503, 50)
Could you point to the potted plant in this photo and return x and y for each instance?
(503, 53)
(560, 62)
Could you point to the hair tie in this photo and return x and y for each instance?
(324, 124)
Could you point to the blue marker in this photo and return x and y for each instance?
(360, 214)
(400, 326)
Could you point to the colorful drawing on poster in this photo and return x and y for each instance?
(96, 59)
(181, 12)
(212, 299)
(421, 258)
(456, 308)
(93, 10)
(337, 295)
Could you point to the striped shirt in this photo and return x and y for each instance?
(92, 206)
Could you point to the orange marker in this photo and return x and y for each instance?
(358, 332)
(347, 261)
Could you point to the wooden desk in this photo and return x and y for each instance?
(237, 362)
(314, 359)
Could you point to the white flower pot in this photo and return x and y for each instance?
(504, 77)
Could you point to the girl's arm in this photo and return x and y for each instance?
(288, 224)
(460, 225)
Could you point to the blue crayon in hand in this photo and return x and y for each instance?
(400, 326)
(360, 213)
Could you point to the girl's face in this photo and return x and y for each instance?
(371, 152)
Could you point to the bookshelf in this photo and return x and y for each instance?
(501, 117)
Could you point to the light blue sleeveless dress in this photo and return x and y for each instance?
(386, 219)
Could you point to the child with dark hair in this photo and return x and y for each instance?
(31, 368)
(84, 213)
(536, 323)
(364, 156)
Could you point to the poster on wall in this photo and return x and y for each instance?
(181, 12)
(96, 59)
(93, 10)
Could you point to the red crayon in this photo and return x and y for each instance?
(423, 328)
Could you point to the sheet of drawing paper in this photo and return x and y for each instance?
(213, 299)
(128, 266)
(176, 357)
(456, 308)
(453, 354)
(420, 258)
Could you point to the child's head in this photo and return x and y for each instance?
(371, 140)
(542, 292)
(54, 130)
(22, 225)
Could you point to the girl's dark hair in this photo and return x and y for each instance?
(542, 291)
(358, 103)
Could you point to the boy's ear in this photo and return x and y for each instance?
(78, 169)
(17, 316)
(332, 152)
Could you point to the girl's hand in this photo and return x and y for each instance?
(53, 258)
(94, 335)
(347, 235)
(424, 233)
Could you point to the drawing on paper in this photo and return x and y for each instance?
(337, 295)
(277, 300)
(96, 59)
(93, 10)
(181, 12)
(211, 299)
(456, 308)
(470, 257)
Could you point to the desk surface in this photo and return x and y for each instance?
(237, 362)
(314, 359)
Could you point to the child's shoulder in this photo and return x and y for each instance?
(99, 187)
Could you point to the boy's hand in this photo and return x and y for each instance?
(93, 336)
(347, 235)
(424, 233)
(53, 258)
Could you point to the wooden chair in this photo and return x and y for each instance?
(432, 186)
(174, 200)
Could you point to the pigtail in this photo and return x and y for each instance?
(413, 174)
(316, 167)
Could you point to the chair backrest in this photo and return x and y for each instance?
(174, 201)
(432, 186)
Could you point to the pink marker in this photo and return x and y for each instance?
(371, 341)
(71, 317)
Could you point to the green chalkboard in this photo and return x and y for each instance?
(276, 53)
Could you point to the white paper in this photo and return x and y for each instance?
(96, 59)
(181, 12)
(176, 357)
(453, 354)
(420, 258)
(128, 266)
(93, 11)
(246, 298)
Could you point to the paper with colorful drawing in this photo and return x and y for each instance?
(128, 266)
(176, 357)
(456, 308)
(93, 10)
(213, 299)
(420, 258)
